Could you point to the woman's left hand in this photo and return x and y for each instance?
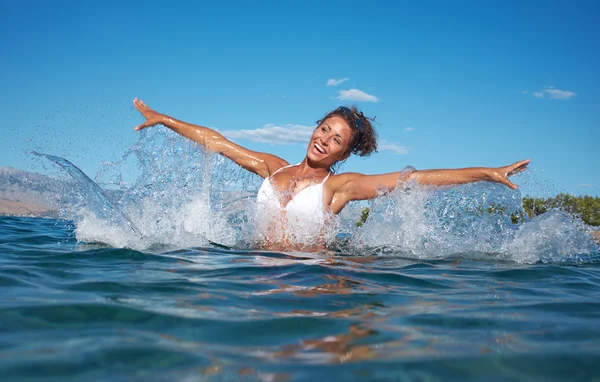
(501, 174)
(152, 117)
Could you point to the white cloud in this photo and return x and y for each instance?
(356, 95)
(585, 185)
(277, 135)
(554, 93)
(334, 82)
(559, 94)
(409, 129)
(393, 147)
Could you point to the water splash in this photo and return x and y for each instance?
(97, 195)
(178, 195)
(553, 237)
(474, 220)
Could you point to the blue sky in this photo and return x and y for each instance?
(452, 84)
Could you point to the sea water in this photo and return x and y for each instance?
(434, 286)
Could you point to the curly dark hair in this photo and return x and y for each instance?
(364, 138)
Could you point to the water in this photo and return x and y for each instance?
(91, 312)
(433, 287)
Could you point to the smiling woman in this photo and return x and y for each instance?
(309, 192)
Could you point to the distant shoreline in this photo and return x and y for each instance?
(18, 208)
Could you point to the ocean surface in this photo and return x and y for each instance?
(151, 270)
(76, 311)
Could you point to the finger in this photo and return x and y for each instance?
(515, 171)
(136, 103)
(144, 105)
(517, 167)
(518, 170)
(140, 105)
(522, 163)
(509, 184)
(141, 126)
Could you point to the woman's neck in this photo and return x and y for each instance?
(305, 168)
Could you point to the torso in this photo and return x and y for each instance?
(302, 195)
(296, 216)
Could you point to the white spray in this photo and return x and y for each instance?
(182, 196)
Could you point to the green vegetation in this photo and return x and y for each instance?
(586, 207)
(363, 217)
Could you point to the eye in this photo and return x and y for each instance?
(337, 141)
(323, 129)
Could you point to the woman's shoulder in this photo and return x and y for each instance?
(346, 175)
(277, 164)
(338, 180)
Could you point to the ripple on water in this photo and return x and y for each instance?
(96, 313)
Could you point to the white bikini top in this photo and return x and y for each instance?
(309, 201)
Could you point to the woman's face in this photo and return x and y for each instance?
(330, 141)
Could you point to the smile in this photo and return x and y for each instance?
(319, 148)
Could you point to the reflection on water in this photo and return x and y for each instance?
(91, 312)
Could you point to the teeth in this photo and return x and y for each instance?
(319, 148)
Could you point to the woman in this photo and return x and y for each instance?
(309, 191)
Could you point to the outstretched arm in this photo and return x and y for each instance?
(354, 186)
(262, 164)
(470, 175)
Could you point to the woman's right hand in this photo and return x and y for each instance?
(501, 174)
(152, 117)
